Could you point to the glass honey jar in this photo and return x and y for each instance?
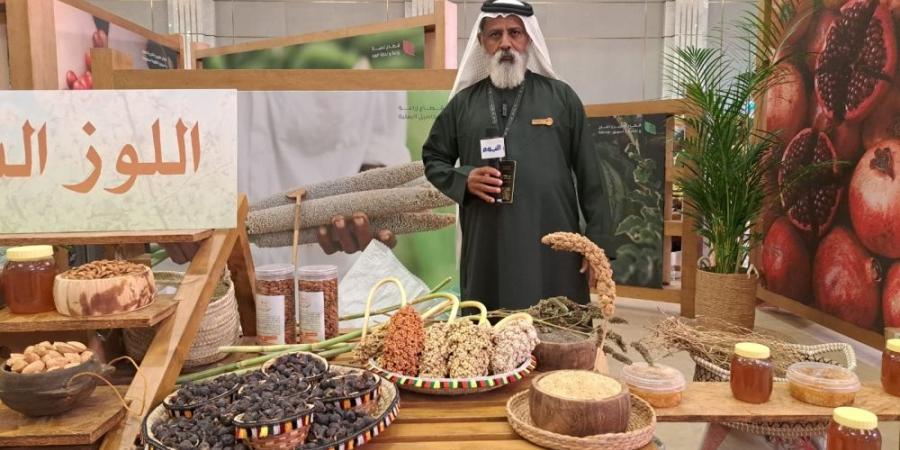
(853, 429)
(890, 367)
(752, 373)
(28, 279)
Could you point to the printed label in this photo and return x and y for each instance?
(269, 319)
(312, 317)
(493, 148)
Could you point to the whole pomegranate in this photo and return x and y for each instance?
(808, 179)
(884, 122)
(786, 263)
(846, 279)
(874, 199)
(797, 17)
(890, 299)
(854, 70)
(785, 103)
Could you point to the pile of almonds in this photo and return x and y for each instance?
(47, 357)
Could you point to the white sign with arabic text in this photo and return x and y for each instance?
(75, 161)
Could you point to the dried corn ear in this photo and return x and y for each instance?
(404, 342)
(377, 203)
(596, 257)
(381, 178)
(404, 223)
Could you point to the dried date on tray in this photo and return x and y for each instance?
(194, 393)
(204, 430)
(260, 409)
(331, 424)
(277, 386)
(344, 385)
(297, 363)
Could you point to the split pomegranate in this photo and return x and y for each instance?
(891, 298)
(785, 261)
(884, 122)
(816, 43)
(874, 199)
(786, 103)
(809, 185)
(855, 68)
(845, 137)
(846, 279)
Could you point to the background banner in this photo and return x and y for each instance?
(833, 240)
(145, 160)
(632, 153)
(398, 49)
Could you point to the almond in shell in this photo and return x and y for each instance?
(73, 358)
(64, 348)
(31, 357)
(86, 355)
(78, 346)
(18, 365)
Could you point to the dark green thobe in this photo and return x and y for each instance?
(504, 264)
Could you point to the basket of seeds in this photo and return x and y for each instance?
(274, 423)
(306, 366)
(349, 388)
(191, 396)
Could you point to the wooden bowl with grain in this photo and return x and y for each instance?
(579, 403)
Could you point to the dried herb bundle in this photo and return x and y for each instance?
(714, 340)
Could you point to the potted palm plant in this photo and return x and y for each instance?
(726, 160)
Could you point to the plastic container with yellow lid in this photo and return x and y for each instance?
(752, 373)
(890, 367)
(28, 279)
(822, 384)
(853, 429)
(660, 385)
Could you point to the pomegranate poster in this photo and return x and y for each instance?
(632, 153)
(832, 239)
(78, 31)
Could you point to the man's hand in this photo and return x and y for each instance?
(592, 277)
(484, 181)
(351, 236)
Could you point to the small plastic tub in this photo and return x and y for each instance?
(661, 386)
(822, 384)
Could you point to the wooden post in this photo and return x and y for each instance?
(165, 356)
(243, 275)
(104, 61)
(32, 44)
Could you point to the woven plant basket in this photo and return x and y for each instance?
(728, 297)
(455, 386)
(384, 409)
(639, 433)
(364, 401)
(707, 371)
(221, 324)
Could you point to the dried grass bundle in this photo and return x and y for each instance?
(714, 340)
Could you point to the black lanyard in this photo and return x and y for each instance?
(512, 114)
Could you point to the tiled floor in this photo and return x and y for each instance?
(688, 436)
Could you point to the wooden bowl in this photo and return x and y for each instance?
(576, 355)
(49, 393)
(577, 417)
(115, 295)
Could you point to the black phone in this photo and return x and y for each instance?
(508, 176)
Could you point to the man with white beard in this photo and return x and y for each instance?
(508, 102)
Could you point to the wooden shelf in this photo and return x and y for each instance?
(162, 307)
(83, 425)
(112, 237)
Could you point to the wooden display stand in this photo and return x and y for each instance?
(178, 317)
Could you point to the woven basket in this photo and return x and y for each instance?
(707, 371)
(359, 401)
(728, 297)
(311, 379)
(455, 386)
(220, 327)
(385, 412)
(188, 410)
(639, 433)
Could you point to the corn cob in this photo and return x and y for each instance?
(376, 203)
(382, 178)
(403, 223)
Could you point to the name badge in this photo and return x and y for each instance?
(493, 148)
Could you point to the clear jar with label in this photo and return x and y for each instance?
(890, 367)
(318, 308)
(853, 429)
(275, 317)
(28, 279)
(752, 373)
